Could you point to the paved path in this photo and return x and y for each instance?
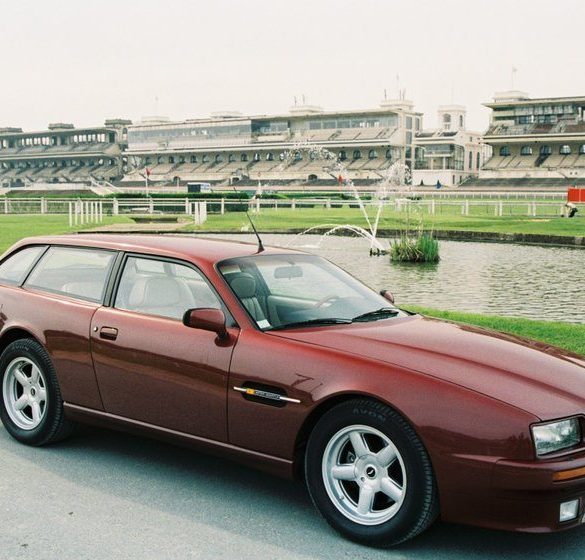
(104, 495)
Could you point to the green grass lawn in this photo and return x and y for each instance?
(286, 219)
(564, 335)
(15, 227)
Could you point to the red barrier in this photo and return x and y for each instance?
(576, 195)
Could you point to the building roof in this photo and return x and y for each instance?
(535, 101)
(381, 111)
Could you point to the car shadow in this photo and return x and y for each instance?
(245, 502)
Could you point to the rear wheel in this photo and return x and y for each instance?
(369, 474)
(31, 408)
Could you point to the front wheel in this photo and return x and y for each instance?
(31, 407)
(369, 474)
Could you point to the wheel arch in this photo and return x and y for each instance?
(13, 334)
(317, 413)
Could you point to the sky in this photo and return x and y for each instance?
(82, 61)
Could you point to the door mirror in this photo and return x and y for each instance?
(387, 294)
(206, 319)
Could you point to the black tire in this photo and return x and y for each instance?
(53, 426)
(420, 505)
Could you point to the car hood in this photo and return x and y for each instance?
(540, 379)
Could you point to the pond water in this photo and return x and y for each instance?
(545, 283)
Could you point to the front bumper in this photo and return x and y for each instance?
(518, 496)
(529, 494)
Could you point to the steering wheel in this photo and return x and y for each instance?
(323, 301)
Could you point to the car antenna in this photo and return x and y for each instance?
(260, 245)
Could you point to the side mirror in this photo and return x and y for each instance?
(387, 294)
(206, 319)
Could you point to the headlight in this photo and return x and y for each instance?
(555, 436)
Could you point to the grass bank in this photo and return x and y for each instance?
(15, 227)
(564, 335)
(303, 218)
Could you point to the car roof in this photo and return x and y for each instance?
(171, 245)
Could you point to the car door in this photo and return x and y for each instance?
(152, 368)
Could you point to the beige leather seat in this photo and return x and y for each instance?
(244, 286)
(165, 296)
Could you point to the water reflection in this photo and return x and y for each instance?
(503, 279)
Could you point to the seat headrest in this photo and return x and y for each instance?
(243, 284)
(155, 291)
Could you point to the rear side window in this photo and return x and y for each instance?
(15, 268)
(75, 272)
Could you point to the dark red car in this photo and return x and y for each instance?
(283, 361)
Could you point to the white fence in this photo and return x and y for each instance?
(82, 211)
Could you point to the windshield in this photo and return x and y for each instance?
(288, 291)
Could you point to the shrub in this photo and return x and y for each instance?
(424, 248)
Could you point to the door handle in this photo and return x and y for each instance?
(109, 332)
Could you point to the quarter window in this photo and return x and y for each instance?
(15, 268)
(76, 272)
(163, 288)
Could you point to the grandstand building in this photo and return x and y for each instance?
(535, 142)
(450, 154)
(277, 149)
(63, 154)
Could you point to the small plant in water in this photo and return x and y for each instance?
(422, 248)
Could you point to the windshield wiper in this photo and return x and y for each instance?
(315, 322)
(381, 313)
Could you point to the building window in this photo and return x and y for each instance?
(372, 154)
(582, 149)
(505, 151)
(269, 156)
(461, 122)
(256, 156)
(205, 158)
(388, 153)
(181, 159)
(231, 158)
(298, 156)
(478, 160)
(470, 160)
(565, 150)
(342, 155)
(545, 150)
(193, 159)
(357, 154)
(526, 151)
(159, 160)
(244, 157)
(446, 121)
(171, 159)
(218, 158)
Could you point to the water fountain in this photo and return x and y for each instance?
(396, 179)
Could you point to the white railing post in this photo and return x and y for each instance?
(70, 215)
(222, 207)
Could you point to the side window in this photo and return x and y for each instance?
(162, 288)
(15, 268)
(74, 272)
